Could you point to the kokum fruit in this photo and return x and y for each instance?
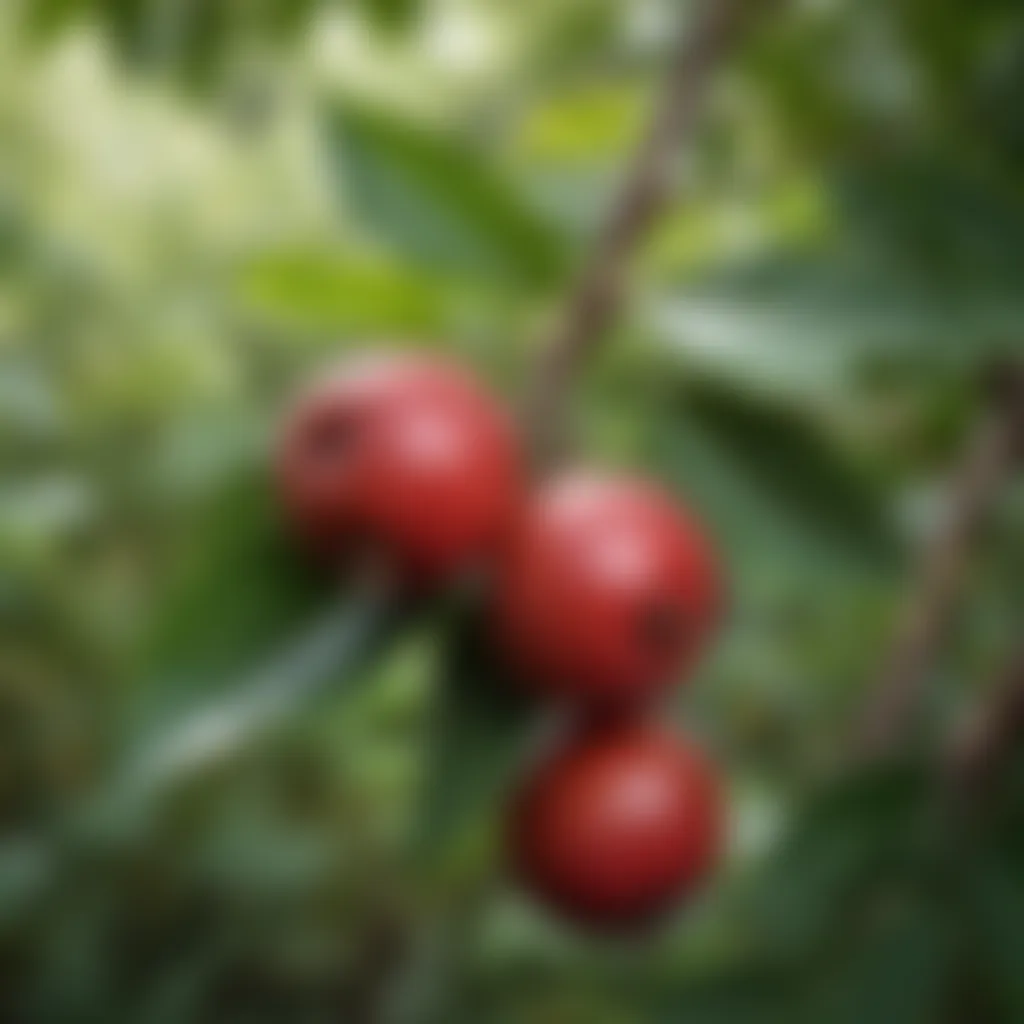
(400, 458)
(617, 826)
(607, 591)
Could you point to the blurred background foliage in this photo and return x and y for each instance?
(201, 200)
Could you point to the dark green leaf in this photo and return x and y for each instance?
(788, 454)
(898, 973)
(739, 993)
(435, 201)
(994, 890)
(479, 728)
(772, 481)
(243, 586)
(850, 842)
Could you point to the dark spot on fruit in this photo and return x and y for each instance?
(662, 627)
(331, 439)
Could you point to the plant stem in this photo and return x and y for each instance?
(991, 733)
(990, 460)
(594, 303)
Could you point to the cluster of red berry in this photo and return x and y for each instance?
(602, 592)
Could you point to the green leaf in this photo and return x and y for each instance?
(435, 201)
(331, 291)
(850, 840)
(191, 40)
(842, 922)
(769, 477)
(581, 127)
(922, 259)
(897, 973)
(479, 729)
(331, 651)
(392, 15)
(994, 892)
(728, 1002)
(242, 587)
(785, 451)
(44, 19)
(738, 993)
(827, 297)
(178, 995)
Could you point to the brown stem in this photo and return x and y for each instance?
(992, 733)
(931, 607)
(595, 301)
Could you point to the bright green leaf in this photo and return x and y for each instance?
(330, 291)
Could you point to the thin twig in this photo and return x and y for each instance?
(989, 462)
(991, 733)
(594, 303)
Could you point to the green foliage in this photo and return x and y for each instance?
(480, 724)
(192, 40)
(925, 261)
(858, 913)
(994, 900)
(848, 845)
(801, 478)
(393, 14)
(243, 586)
(329, 291)
(435, 202)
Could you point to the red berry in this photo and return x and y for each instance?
(617, 826)
(607, 591)
(406, 457)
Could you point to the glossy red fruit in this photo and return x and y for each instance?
(617, 826)
(403, 457)
(607, 591)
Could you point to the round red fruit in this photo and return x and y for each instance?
(618, 826)
(404, 458)
(607, 591)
